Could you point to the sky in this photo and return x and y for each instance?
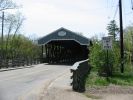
(89, 17)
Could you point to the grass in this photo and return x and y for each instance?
(122, 79)
(95, 80)
(94, 83)
(125, 79)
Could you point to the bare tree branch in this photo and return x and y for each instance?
(7, 4)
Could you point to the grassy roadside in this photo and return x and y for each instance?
(94, 79)
(117, 84)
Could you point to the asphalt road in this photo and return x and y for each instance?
(16, 84)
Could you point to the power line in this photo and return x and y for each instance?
(116, 7)
(116, 11)
(128, 13)
(113, 2)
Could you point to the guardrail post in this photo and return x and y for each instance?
(80, 71)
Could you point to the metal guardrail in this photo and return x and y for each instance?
(75, 65)
(80, 72)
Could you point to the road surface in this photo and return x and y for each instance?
(44, 82)
(17, 84)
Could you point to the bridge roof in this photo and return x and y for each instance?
(64, 34)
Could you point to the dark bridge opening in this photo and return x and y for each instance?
(65, 52)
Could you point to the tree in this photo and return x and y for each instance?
(4, 5)
(128, 45)
(20, 50)
(7, 4)
(16, 48)
(113, 29)
(13, 24)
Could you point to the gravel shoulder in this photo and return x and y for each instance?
(60, 89)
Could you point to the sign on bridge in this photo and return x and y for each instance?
(107, 43)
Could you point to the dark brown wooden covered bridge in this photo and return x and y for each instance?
(64, 47)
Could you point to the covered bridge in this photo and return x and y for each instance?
(64, 46)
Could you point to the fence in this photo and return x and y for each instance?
(6, 63)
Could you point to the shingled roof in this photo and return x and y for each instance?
(64, 34)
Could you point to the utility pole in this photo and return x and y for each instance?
(121, 37)
(132, 51)
(2, 36)
(2, 41)
(132, 4)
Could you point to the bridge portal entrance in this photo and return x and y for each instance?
(64, 47)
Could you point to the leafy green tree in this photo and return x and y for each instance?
(15, 47)
(20, 49)
(128, 46)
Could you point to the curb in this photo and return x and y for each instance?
(8, 69)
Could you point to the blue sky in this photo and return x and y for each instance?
(89, 17)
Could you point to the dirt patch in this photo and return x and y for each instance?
(60, 89)
(112, 89)
(62, 94)
(111, 92)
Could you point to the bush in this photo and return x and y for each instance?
(98, 58)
